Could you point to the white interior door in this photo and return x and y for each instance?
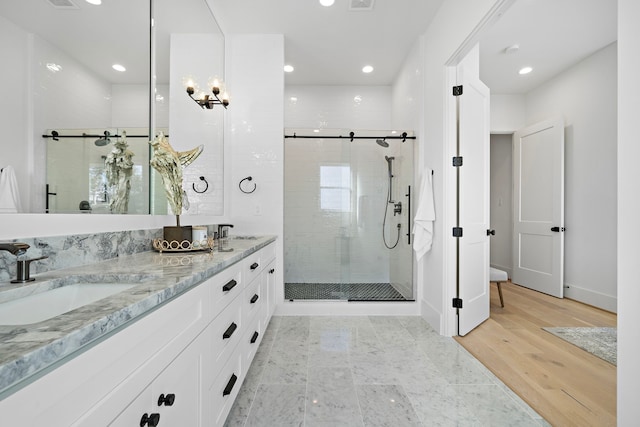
(473, 202)
(538, 198)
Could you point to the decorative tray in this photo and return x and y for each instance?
(161, 245)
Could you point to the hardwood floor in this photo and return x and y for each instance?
(563, 383)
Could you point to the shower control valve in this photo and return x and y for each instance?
(397, 208)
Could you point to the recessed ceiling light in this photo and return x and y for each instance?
(96, 2)
(293, 99)
(525, 70)
(316, 130)
(118, 67)
(327, 3)
(288, 68)
(367, 69)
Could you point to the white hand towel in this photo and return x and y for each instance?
(9, 196)
(425, 215)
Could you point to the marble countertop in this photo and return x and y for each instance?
(28, 350)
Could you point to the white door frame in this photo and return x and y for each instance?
(449, 317)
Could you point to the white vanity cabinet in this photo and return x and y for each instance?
(180, 365)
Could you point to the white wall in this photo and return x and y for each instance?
(628, 212)
(254, 132)
(586, 96)
(508, 113)
(338, 107)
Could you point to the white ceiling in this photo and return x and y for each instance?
(328, 46)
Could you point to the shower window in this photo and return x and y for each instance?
(335, 188)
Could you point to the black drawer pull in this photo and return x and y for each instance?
(254, 298)
(232, 284)
(230, 330)
(254, 266)
(272, 271)
(230, 384)
(150, 420)
(166, 400)
(254, 337)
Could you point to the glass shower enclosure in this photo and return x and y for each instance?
(348, 215)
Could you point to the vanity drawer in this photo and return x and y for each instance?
(224, 334)
(252, 300)
(252, 266)
(225, 286)
(251, 340)
(219, 400)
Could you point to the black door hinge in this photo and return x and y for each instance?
(457, 231)
(457, 90)
(457, 303)
(457, 161)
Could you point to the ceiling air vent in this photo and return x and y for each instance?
(361, 5)
(63, 4)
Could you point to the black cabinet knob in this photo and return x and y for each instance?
(166, 400)
(272, 271)
(254, 266)
(254, 298)
(150, 420)
(254, 337)
(491, 232)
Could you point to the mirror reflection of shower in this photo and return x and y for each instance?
(397, 207)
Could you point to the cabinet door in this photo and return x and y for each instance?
(268, 291)
(173, 399)
(176, 391)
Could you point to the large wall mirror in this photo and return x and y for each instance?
(70, 111)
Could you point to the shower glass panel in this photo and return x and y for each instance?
(347, 216)
(77, 172)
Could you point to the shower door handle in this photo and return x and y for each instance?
(408, 215)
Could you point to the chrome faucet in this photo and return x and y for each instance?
(16, 249)
(22, 266)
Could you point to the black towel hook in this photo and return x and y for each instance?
(247, 179)
(206, 185)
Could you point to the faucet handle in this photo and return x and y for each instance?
(22, 270)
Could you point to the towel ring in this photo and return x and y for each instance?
(206, 186)
(247, 179)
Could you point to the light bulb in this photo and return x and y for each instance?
(214, 84)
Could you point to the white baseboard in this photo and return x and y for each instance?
(588, 296)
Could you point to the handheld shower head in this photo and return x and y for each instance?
(382, 143)
(389, 160)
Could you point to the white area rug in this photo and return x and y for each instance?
(601, 342)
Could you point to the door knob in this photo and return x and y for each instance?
(491, 232)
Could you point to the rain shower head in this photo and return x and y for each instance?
(102, 141)
(382, 143)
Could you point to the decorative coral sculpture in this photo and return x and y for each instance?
(169, 164)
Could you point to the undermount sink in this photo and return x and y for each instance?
(54, 302)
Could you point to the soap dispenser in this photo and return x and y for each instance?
(223, 237)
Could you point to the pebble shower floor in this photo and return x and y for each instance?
(342, 291)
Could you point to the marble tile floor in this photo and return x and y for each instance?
(370, 371)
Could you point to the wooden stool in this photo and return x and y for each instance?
(498, 276)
